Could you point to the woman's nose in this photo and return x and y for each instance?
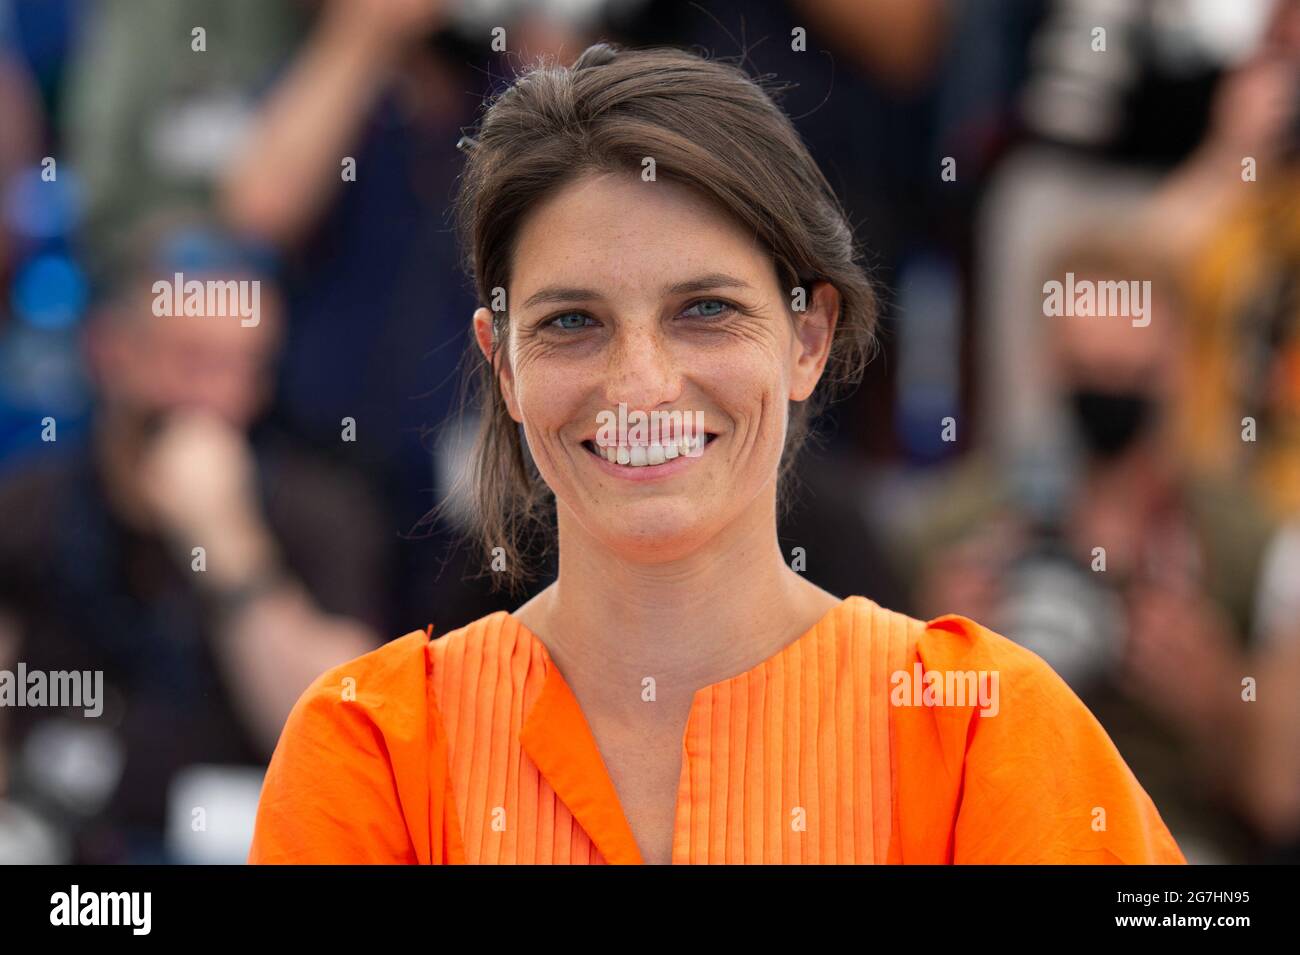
(642, 371)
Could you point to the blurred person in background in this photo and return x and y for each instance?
(202, 653)
(1231, 215)
(1137, 578)
(1118, 94)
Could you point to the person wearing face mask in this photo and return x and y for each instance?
(1109, 422)
(1130, 572)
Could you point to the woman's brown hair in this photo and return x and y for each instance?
(707, 125)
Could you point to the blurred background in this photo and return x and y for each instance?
(1120, 494)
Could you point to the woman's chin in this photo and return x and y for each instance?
(650, 528)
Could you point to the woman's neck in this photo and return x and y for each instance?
(609, 622)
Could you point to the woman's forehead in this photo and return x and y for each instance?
(619, 231)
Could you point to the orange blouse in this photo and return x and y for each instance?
(843, 747)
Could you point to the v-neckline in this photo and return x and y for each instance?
(558, 739)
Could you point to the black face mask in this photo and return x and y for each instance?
(1110, 421)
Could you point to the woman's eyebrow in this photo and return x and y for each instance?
(561, 293)
(572, 293)
(704, 283)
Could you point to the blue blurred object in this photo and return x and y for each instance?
(202, 248)
(38, 211)
(41, 375)
(44, 33)
(49, 291)
(929, 371)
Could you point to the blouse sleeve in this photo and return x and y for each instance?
(330, 793)
(1042, 782)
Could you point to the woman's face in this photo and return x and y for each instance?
(641, 293)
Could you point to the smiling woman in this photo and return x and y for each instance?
(678, 693)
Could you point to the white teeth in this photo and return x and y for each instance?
(640, 456)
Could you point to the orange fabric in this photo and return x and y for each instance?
(472, 749)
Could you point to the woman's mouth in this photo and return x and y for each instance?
(649, 456)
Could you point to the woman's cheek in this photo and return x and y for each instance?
(754, 397)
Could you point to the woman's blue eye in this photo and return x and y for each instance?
(560, 321)
(708, 308)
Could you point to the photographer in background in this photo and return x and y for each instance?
(1134, 577)
(203, 653)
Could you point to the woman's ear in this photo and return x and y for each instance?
(484, 335)
(814, 330)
